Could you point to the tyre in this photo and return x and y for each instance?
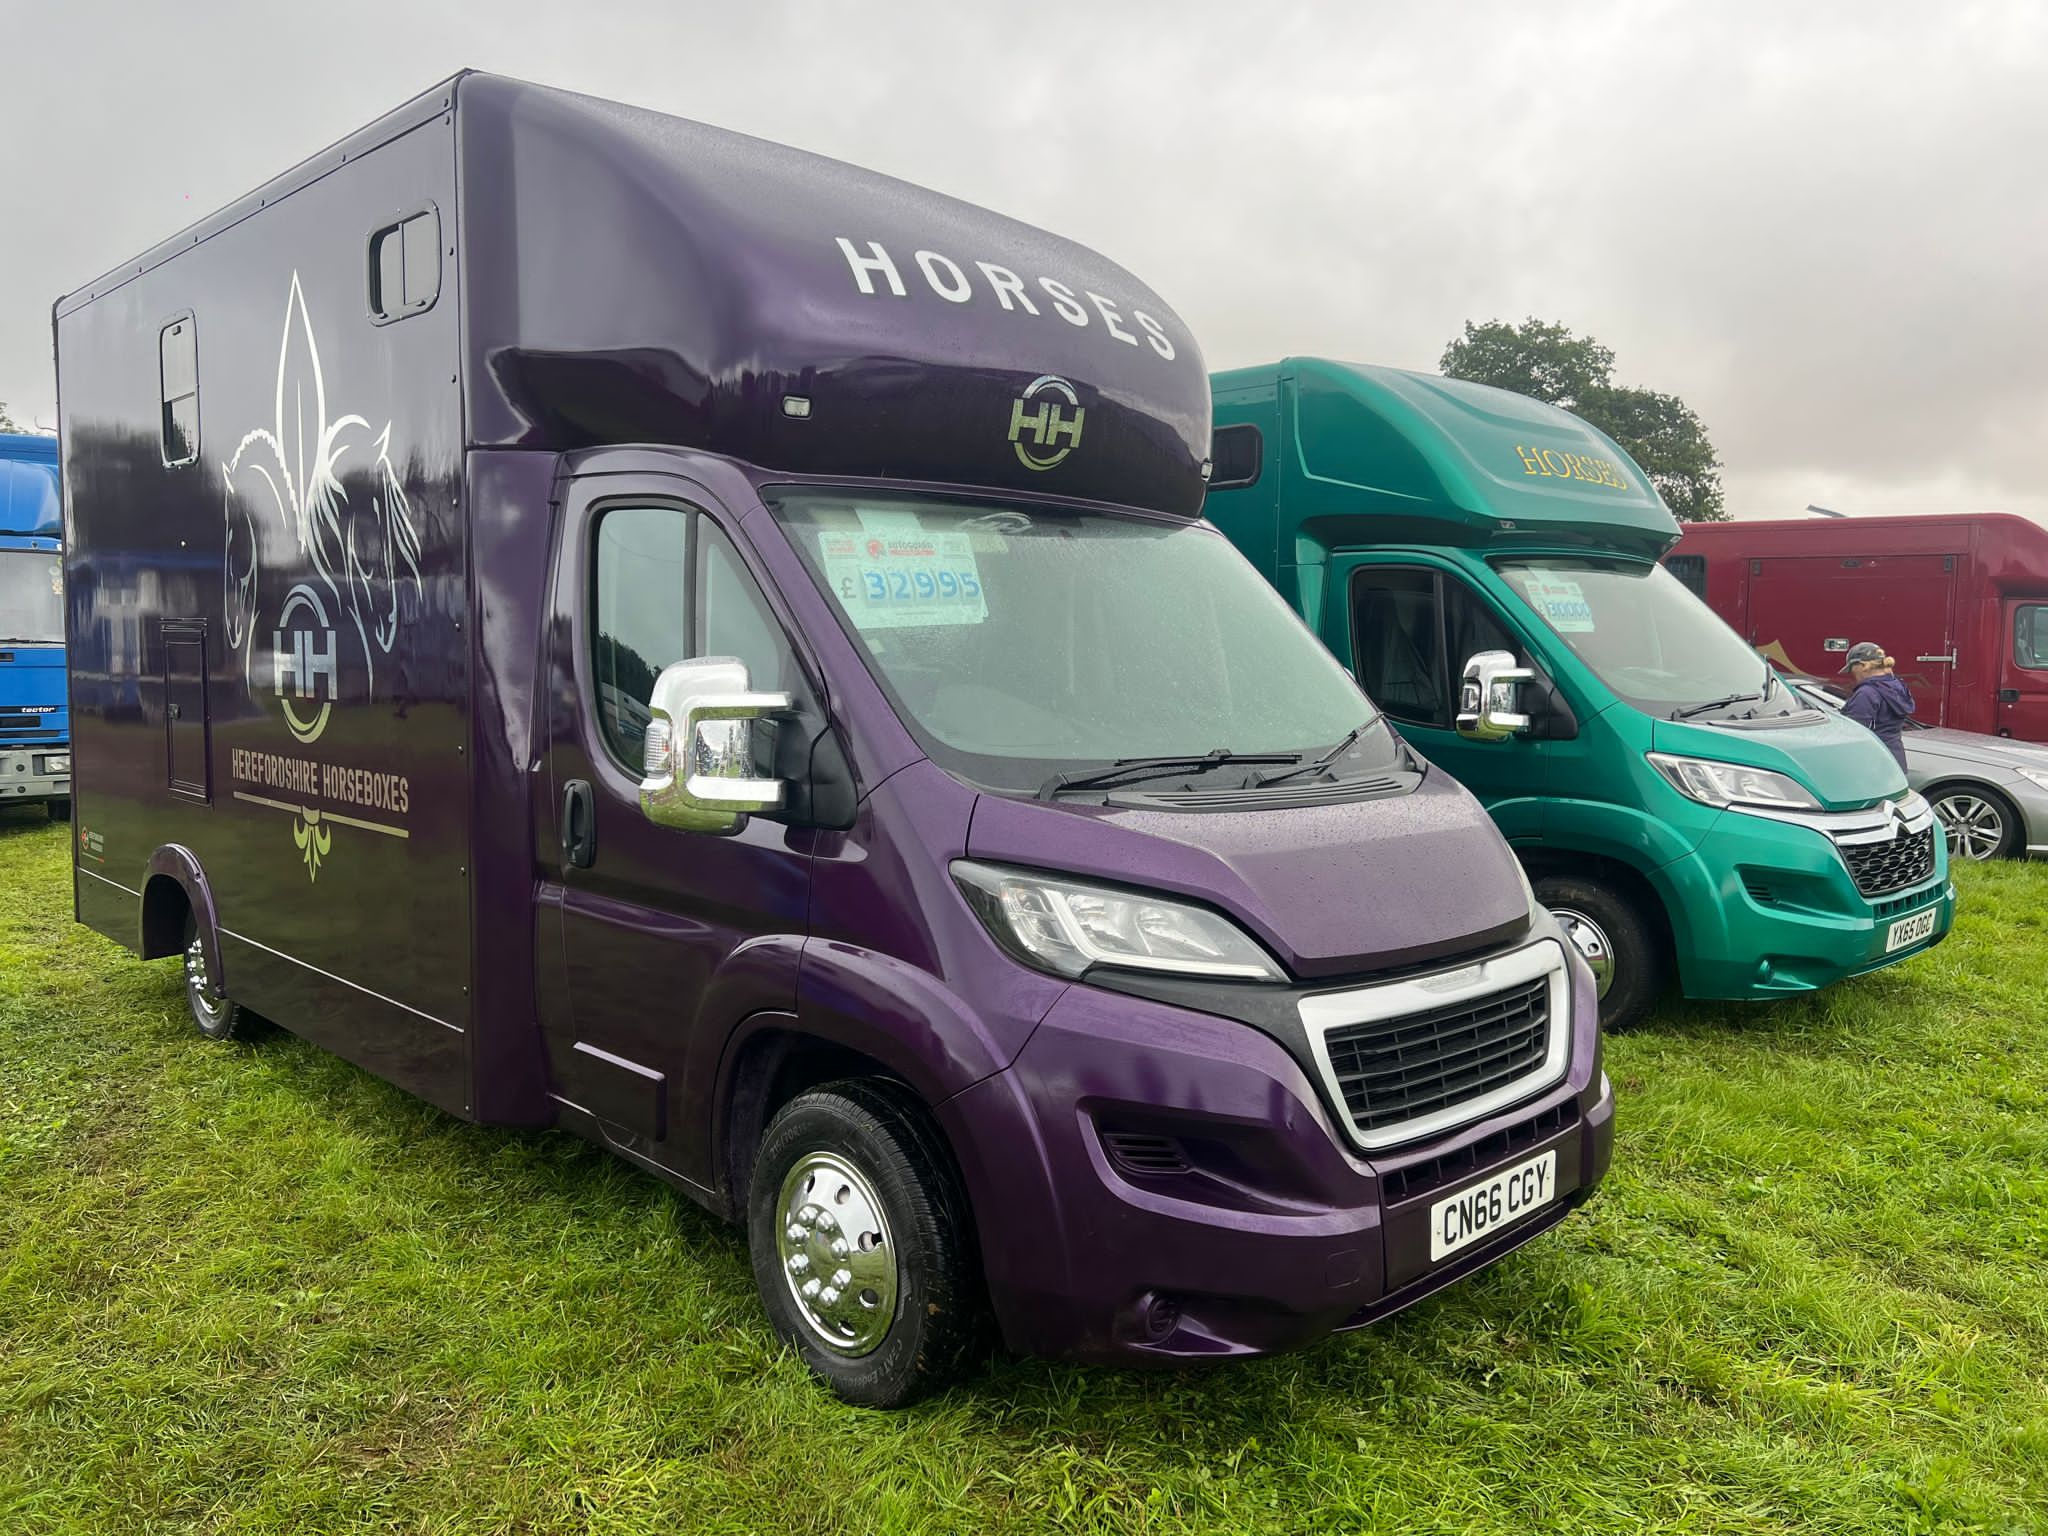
(218, 1017)
(60, 810)
(1980, 823)
(1619, 941)
(862, 1245)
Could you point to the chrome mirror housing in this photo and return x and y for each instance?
(700, 747)
(1489, 696)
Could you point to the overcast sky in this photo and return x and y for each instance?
(1824, 226)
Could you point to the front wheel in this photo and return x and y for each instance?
(1618, 942)
(862, 1246)
(60, 810)
(1979, 823)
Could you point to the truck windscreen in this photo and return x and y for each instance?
(1021, 641)
(31, 597)
(1648, 637)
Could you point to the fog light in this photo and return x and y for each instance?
(1158, 1316)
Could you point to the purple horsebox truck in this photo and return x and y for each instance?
(612, 624)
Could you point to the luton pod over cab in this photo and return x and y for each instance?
(1488, 567)
(612, 624)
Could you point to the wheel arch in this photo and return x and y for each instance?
(1623, 877)
(174, 888)
(769, 1060)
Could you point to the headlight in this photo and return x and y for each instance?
(1726, 784)
(59, 763)
(1065, 927)
(2036, 776)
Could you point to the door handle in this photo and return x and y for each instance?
(1950, 658)
(579, 824)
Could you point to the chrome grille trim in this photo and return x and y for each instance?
(1324, 1012)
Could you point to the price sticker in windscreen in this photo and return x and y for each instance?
(903, 579)
(1562, 601)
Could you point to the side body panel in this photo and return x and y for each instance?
(1804, 611)
(1877, 578)
(302, 584)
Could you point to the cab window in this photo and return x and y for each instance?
(658, 600)
(1412, 631)
(2030, 635)
(640, 623)
(1397, 643)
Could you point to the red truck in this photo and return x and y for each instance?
(1960, 600)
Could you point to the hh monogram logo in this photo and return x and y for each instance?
(301, 659)
(1055, 431)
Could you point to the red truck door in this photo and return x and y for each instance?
(1809, 609)
(2023, 672)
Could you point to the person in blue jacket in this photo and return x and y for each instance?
(1879, 699)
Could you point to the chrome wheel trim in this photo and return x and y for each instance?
(1975, 828)
(1592, 943)
(838, 1259)
(206, 1003)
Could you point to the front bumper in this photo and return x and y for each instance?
(1769, 909)
(1271, 1232)
(25, 775)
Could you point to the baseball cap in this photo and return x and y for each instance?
(1863, 650)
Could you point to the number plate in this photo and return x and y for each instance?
(1910, 930)
(1480, 1210)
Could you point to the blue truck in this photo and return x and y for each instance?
(35, 718)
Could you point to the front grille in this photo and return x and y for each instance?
(1400, 1069)
(1880, 868)
(1881, 910)
(1433, 1173)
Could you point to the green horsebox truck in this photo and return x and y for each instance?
(1487, 566)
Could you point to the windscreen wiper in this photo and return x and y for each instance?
(1700, 709)
(1318, 765)
(1136, 768)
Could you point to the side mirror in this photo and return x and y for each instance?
(1488, 698)
(700, 748)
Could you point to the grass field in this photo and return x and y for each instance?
(256, 1290)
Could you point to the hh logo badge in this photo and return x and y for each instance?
(1054, 430)
(302, 660)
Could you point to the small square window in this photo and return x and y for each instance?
(178, 378)
(1691, 571)
(1234, 457)
(405, 266)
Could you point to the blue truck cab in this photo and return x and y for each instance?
(35, 718)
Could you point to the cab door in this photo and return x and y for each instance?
(2023, 673)
(641, 927)
(1411, 625)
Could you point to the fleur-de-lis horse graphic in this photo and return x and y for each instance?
(365, 551)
